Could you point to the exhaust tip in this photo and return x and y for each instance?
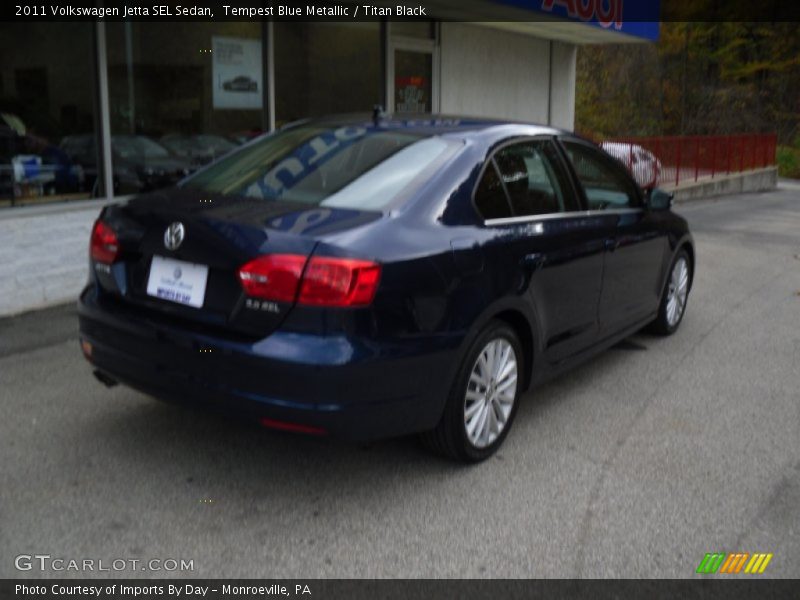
(105, 379)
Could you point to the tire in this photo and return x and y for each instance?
(672, 308)
(495, 361)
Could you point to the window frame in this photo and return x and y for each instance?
(606, 159)
(562, 163)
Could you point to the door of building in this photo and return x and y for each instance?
(413, 75)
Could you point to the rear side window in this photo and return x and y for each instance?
(490, 198)
(605, 183)
(531, 175)
(524, 179)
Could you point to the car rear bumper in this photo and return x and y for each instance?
(349, 388)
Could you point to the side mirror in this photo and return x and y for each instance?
(658, 199)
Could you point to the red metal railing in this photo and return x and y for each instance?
(672, 160)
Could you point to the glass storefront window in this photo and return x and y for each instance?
(326, 68)
(47, 97)
(180, 96)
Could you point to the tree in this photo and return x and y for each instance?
(699, 78)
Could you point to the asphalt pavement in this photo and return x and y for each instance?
(634, 465)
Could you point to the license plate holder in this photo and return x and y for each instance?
(177, 281)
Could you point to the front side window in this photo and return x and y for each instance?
(606, 185)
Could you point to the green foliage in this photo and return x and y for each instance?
(615, 91)
(700, 78)
(788, 162)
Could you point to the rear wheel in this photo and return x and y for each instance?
(676, 294)
(484, 397)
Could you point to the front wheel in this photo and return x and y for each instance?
(484, 398)
(676, 293)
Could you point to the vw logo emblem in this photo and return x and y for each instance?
(173, 236)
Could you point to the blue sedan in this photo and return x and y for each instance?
(373, 277)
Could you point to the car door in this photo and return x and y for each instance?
(635, 245)
(526, 196)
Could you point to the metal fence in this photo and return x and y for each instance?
(672, 160)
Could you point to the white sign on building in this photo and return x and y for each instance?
(237, 73)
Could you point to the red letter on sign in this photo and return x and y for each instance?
(586, 9)
(569, 4)
(612, 15)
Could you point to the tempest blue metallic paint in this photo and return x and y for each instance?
(373, 278)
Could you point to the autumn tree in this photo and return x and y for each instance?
(699, 78)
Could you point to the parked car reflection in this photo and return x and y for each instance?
(197, 149)
(643, 164)
(140, 163)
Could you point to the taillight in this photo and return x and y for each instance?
(273, 277)
(325, 282)
(339, 282)
(104, 245)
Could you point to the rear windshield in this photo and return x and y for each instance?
(350, 167)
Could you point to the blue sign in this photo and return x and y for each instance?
(638, 18)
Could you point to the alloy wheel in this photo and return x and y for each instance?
(677, 291)
(491, 390)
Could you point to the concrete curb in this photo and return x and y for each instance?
(756, 180)
(34, 210)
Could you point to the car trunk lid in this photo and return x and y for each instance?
(219, 234)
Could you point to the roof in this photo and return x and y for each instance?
(433, 124)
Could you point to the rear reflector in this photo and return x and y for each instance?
(326, 281)
(104, 245)
(87, 349)
(294, 427)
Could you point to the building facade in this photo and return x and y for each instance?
(112, 108)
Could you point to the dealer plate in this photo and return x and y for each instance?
(177, 281)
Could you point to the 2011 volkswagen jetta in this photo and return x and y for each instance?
(368, 278)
